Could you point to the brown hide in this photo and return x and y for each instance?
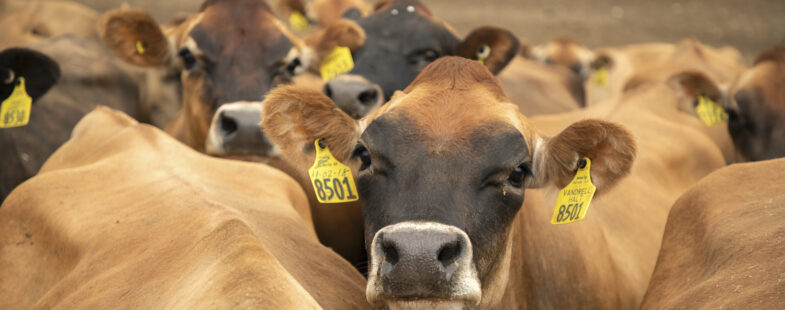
(723, 243)
(86, 68)
(132, 218)
(540, 89)
(26, 22)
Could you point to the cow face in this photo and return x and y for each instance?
(400, 39)
(442, 171)
(757, 110)
(231, 51)
(566, 52)
(38, 70)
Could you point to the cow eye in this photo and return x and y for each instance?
(430, 55)
(422, 58)
(364, 155)
(293, 65)
(518, 174)
(189, 60)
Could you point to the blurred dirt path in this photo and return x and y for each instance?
(750, 25)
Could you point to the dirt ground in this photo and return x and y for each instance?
(749, 25)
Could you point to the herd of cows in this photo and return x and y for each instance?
(459, 146)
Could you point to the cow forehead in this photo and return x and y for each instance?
(254, 33)
(410, 23)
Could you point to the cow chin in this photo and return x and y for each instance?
(422, 265)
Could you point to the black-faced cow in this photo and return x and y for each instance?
(443, 169)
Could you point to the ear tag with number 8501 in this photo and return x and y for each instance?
(338, 62)
(574, 199)
(15, 110)
(332, 181)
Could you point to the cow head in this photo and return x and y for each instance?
(39, 71)
(757, 110)
(230, 51)
(442, 171)
(400, 39)
(566, 52)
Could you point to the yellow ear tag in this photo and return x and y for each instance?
(600, 77)
(141, 47)
(15, 110)
(338, 62)
(298, 22)
(574, 199)
(332, 181)
(482, 53)
(710, 112)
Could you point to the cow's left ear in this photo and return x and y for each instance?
(133, 36)
(493, 46)
(38, 70)
(690, 85)
(610, 147)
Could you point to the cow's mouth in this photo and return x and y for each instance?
(429, 304)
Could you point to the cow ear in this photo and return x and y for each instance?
(293, 118)
(133, 36)
(344, 32)
(690, 85)
(494, 47)
(287, 7)
(610, 147)
(38, 70)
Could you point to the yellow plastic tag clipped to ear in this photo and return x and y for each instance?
(15, 110)
(298, 22)
(710, 112)
(483, 53)
(332, 181)
(600, 77)
(141, 47)
(338, 62)
(574, 199)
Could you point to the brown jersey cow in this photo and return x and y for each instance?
(723, 243)
(230, 51)
(757, 109)
(444, 167)
(125, 216)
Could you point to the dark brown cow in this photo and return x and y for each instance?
(230, 51)
(723, 243)
(124, 216)
(88, 76)
(443, 169)
(757, 111)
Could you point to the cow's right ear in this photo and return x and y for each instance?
(293, 118)
(344, 33)
(38, 70)
(133, 36)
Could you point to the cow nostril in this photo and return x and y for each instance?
(328, 91)
(390, 253)
(450, 252)
(368, 97)
(228, 125)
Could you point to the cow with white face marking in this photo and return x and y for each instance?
(443, 168)
(230, 51)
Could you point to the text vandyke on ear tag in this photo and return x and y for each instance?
(710, 112)
(338, 62)
(574, 199)
(332, 181)
(15, 110)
